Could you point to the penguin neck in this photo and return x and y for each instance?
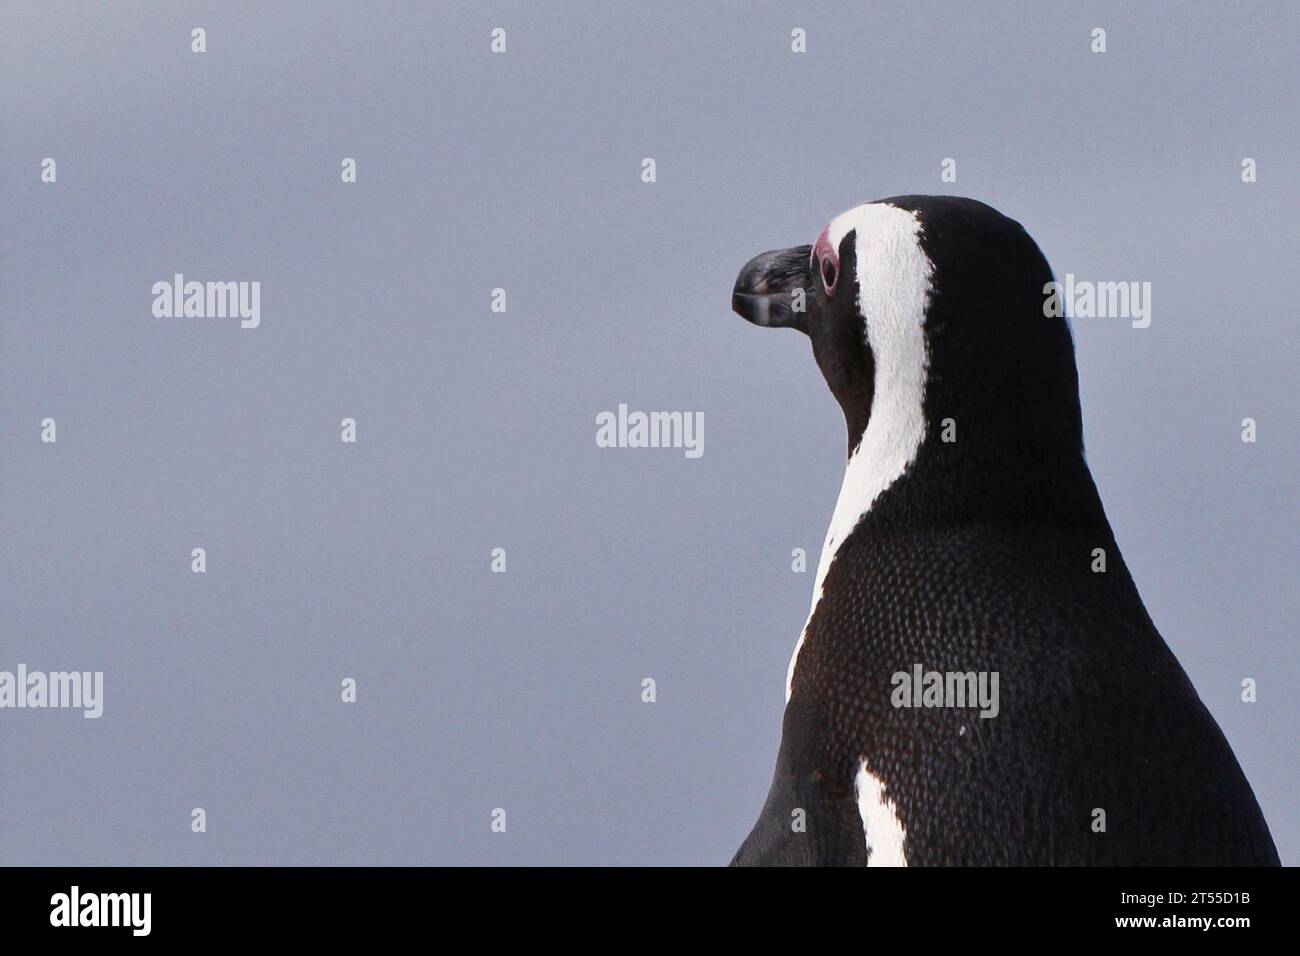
(895, 478)
(884, 449)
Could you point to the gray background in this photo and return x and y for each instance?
(477, 430)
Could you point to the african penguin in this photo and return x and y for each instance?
(963, 551)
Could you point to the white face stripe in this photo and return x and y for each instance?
(883, 833)
(893, 276)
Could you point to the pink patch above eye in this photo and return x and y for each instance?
(827, 259)
(824, 249)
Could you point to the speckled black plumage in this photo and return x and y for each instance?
(979, 558)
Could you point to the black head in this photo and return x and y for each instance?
(926, 316)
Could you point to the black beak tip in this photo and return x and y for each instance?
(763, 290)
(742, 304)
(752, 307)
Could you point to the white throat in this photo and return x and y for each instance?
(893, 275)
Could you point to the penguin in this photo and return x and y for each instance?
(969, 556)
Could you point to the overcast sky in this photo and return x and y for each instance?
(476, 429)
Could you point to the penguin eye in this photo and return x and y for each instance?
(828, 260)
(830, 274)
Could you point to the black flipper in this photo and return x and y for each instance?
(829, 830)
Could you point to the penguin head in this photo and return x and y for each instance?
(926, 318)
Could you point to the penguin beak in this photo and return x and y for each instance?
(775, 288)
